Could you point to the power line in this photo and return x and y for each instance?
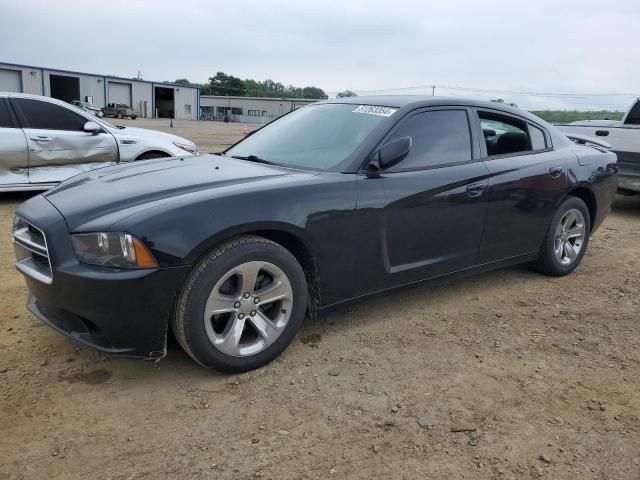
(502, 92)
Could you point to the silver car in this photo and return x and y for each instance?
(44, 141)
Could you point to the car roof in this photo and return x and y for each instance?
(411, 102)
(400, 101)
(31, 96)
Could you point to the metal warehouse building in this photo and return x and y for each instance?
(247, 109)
(153, 99)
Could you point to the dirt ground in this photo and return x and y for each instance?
(543, 372)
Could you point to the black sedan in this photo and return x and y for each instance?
(336, 201)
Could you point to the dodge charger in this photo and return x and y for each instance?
(334, 202)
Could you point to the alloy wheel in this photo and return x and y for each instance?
(569, 237)
(248, 308)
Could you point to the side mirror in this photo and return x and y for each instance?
(92, 127)
(392, 153)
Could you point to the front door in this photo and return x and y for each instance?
(58, 145)
(14, 156)
(423, 217)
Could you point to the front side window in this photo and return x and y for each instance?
(504, 135)
(316, 137)
(439, 137)
(49, 116)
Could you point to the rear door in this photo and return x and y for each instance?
(424, 217)
(527, 179)
(58, 145)
(14, 155)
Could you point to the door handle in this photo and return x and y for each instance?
(41, 139)
(476, 189)
(602, 133)
(556, 171)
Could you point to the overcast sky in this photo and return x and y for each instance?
(585, 46)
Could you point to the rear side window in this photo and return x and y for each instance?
(440, 137)
(49, 116)
(538, 141)
(6, 121)
(504, 135)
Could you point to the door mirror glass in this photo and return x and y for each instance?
(393, 152)
(92, 127)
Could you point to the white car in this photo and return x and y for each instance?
(44, 141)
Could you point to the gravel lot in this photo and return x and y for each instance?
(540, 374)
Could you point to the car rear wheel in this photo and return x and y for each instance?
(567, 238)
(242, 305)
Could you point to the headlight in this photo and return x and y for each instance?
(189, 147)
(109, 249)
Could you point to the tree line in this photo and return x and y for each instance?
(228, 85)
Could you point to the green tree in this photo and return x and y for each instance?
(253, 88)
(223, 84)
(346, 93)
(314, 92)
(182, 81)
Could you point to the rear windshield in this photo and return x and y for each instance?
(315, 137)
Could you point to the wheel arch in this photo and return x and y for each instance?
(585, 194)
(154, 150)
(288, 236)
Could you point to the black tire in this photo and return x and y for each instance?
(150, 155)
(188, 320)
(134, 117)
(547, 262)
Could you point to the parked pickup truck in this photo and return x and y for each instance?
(120, 110)
(624, 138)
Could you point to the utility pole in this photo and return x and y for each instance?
(433, 90)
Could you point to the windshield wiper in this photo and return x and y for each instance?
(253, 158)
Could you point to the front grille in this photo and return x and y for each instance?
(32, 254)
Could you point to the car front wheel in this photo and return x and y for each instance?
(567, 238)
(242, 305)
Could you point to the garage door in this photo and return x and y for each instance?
(10, 80)
(120, 93)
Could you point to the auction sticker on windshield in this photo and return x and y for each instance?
(375, 110)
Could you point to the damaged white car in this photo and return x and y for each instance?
(44, 141)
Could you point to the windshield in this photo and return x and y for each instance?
(315, 137)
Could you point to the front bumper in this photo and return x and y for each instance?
(117, 311)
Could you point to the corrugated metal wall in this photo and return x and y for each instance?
(31, 78)
(142, 92)
(90, 86)
(34, 79)
(263, 109)
(184, 96)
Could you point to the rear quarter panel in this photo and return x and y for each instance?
(597, 171)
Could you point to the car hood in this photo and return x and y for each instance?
(145, 133)
(112, 193)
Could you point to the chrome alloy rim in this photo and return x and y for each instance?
(569, 237)
(248, 308)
